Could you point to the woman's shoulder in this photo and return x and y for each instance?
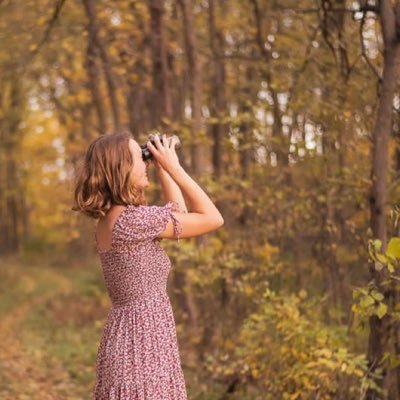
(138, 222)
(142, 213)
(172, 205)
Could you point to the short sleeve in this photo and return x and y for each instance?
(140, 223)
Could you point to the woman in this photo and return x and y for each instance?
(138, 356)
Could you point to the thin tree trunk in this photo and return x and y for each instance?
(280, 146)
(342, 133)
(11, 226)
(328, 232)
(218, 101)
(94, 86)
(162, 101)
(200, 149)
(137, 97)
(90, 9)
(379, 337)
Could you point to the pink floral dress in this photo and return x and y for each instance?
(138, 356)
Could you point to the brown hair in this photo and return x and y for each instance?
(105, 176)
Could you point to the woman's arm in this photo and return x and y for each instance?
(204, 216)
(171, 190)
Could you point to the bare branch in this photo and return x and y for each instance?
(50, 25)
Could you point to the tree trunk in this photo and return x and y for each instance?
(94, 37)
(379, 337)
(218, 102)
(94, 86)
(162, 102)
(137, 98)
(11, 191)
(200, 148)
(280, 145)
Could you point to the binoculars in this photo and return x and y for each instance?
(146, 153)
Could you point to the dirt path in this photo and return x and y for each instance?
(30, 375)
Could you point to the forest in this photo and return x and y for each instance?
(289, 117)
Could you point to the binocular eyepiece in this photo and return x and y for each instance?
(146, 153)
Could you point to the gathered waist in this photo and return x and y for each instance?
(137, 299)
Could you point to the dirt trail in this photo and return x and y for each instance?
(30, 375)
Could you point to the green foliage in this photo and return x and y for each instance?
(286, 350)
(373, 299)
(369, 302)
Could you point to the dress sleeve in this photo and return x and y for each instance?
(147, 222)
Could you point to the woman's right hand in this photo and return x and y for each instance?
(164, 153)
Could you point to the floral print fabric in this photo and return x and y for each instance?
(138, 355)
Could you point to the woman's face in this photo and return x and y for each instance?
(139, 168)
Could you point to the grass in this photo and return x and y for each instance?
(51, 323)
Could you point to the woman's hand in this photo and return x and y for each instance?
(165, 156)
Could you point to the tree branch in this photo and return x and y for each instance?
(50, 25)
(333, 10)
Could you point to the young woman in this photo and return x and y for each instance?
(138, 356)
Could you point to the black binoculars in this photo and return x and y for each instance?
(146, 153)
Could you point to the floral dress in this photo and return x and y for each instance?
(138, 356)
